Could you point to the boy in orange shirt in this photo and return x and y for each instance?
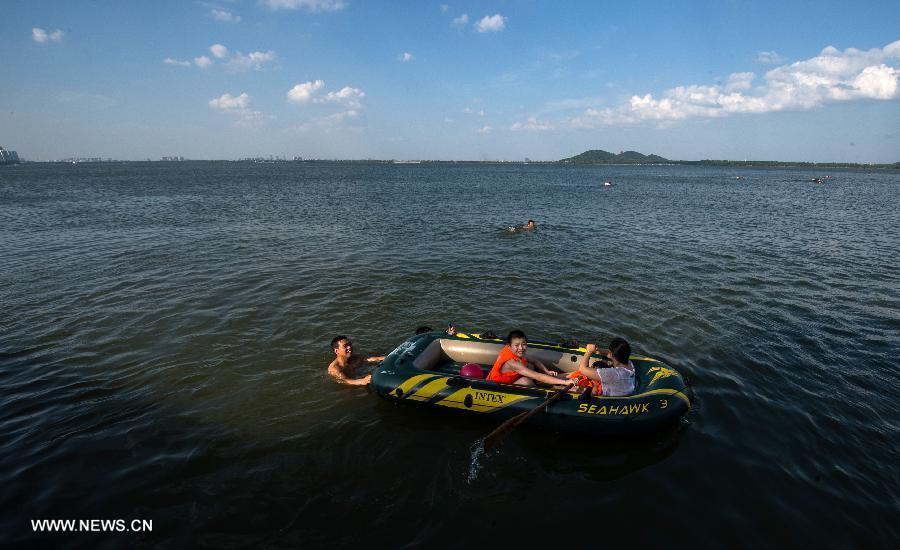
(512, 367)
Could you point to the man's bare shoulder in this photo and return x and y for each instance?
(336, 369)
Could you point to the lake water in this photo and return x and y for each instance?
(165, 335)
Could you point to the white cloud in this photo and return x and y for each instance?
(228, 102)
(203, 61)
(239, 108)
(484, 130)
(769, 58)
(347, 97)
(342, 116)
(224, 15)
(531, 125)
(491, 23)
(460, 21)
(303, 93)
(406, 56)
(252, 60)
(308, 5)
(170, 61)
(219, 51)
(832, 76)
(237, 61)
(351, 97)
(879, 82)
(571, 104)
(343, 120)
(739, 81)
(41, 36)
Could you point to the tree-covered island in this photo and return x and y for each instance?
(599, 156)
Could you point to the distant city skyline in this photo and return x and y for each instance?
(499, 80)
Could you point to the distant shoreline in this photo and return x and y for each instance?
(711, 163)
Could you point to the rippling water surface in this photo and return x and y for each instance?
(165, 334)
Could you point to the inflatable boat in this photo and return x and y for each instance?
(425, 371)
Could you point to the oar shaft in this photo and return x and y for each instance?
(503, 429)
(543, 406)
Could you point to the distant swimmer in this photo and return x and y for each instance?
(345, 363)
(522, 228)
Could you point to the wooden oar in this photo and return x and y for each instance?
(503, 430)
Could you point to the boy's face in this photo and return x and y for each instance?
(344, 348)
(518, 346)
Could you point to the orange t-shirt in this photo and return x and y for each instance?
(497, 375)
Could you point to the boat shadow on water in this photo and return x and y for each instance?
(603, 458)
(589, 457)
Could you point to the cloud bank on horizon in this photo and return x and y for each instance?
(832, 76)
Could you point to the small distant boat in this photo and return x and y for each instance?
(818, 180)
(607, 184)
(739, 177)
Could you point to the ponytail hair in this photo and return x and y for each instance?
(620, 350)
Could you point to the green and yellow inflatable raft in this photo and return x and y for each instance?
(424, 370)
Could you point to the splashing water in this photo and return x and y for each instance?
(476, 451)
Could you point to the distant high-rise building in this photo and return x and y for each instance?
(8, 157)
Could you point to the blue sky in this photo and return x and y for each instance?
(810, 81)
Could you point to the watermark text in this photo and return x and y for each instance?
(91, 525)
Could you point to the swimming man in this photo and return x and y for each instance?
(345, 363)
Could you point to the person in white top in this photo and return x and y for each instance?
(613, 379)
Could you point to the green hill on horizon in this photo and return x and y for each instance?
(599, 156)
